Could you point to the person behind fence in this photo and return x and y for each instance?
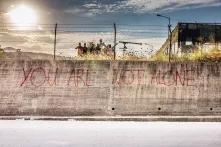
(80, 50)
(1, 51)
(92, 48)
(109, 50)
(1, 47)
(102, 46)
(85, 49)
(98, 49)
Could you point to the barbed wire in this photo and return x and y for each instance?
(81, 24)
(13, 35)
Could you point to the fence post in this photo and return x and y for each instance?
(115, 40)
(55, 40)
(215, 38)
(170, 36)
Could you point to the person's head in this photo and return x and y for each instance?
(79, 44)
(85, 45)
(101, 40)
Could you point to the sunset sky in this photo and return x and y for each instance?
(136, 20)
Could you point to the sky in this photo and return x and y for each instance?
(136, 21)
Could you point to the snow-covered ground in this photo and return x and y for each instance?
(17, 133)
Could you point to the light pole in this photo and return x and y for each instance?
(169, 33)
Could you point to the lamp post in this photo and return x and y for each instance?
(169, 33)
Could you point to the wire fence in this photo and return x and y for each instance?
(103, 40)
(122, 41)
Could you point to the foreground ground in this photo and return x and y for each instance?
(19, 133)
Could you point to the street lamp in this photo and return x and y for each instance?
(169, 33)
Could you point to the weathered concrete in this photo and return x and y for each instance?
(106, 88)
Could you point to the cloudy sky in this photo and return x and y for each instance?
(136, 21)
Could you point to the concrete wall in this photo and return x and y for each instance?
(104, 88)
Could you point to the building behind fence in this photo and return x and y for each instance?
(188, 38)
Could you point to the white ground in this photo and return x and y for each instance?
(19, 133)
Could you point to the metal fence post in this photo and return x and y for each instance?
(115, 40)
(55, 40)
(170, 36)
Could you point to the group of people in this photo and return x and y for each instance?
(91, 48)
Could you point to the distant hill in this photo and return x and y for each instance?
(17, 55)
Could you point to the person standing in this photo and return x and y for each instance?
(85, 49)
(80, 50)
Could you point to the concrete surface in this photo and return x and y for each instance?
(106, 88)
(108, 134)
(118, 118)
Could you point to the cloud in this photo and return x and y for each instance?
(144, 6)
(96, 7)
(27, 42)
(100, 8)
(93, 9)
(79, 12)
